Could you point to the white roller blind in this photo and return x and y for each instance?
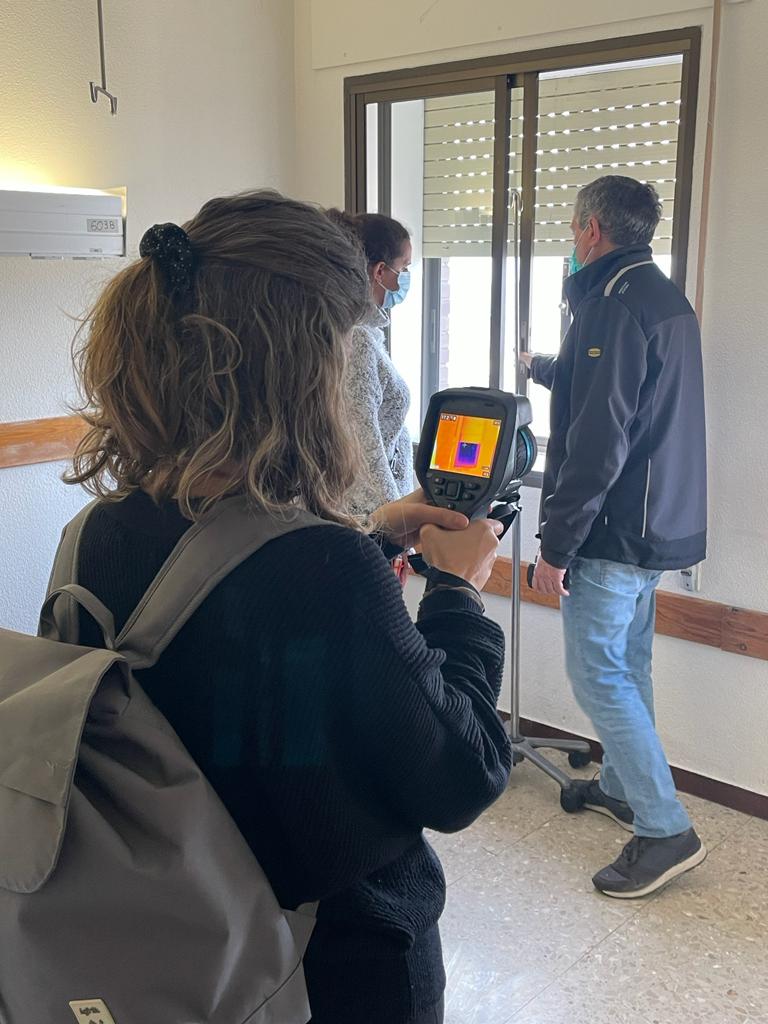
(621, 120)
(458, 174)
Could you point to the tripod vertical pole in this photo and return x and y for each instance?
(514, 639)
(527, 747)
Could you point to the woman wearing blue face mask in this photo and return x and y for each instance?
(379, 396)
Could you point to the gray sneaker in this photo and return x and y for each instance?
(594, 799)
(646, 864)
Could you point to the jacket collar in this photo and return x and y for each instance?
(376, 317)
(593, 278)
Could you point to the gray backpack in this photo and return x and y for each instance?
(127, 893)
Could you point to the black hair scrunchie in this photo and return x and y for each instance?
(169, 246)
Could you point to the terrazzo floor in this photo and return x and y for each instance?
(527, 939)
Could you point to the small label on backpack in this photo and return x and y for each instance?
(94, 1011)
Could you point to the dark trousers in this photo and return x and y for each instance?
(432, 1016)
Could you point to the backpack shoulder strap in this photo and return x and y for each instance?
(208, 551)
(65, 563)
(64, 573)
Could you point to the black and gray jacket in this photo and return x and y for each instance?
(625, 475)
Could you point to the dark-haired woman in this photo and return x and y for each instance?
(379, 396)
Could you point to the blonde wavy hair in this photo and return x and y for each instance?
(240, 388)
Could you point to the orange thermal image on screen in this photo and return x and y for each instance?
(465, 444)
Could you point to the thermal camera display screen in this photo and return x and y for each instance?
(465, 444)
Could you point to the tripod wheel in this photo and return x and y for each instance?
(577, 759)
(571, 800)
(516, 758)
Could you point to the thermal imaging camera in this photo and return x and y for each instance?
(475, 445)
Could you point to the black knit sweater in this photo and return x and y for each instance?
(333, 730)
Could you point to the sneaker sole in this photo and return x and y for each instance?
(674, 872)
(599, 809)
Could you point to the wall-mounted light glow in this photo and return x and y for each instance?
(55, 222)
(54, 190)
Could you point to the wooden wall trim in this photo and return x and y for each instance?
(736, 630)
(31, 441)
(726, 627)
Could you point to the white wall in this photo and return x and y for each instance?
(346, 33)
(206, 99)
(713, 711)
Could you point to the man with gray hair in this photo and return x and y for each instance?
(623, 499)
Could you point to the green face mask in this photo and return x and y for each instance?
(575, 264)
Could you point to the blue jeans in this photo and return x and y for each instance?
(609, 622)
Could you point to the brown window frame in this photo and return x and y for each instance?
(499, 74)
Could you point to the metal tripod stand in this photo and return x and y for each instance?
(527, 747)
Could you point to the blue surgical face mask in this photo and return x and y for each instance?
(403, 284)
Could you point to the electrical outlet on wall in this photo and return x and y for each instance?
(691, 578)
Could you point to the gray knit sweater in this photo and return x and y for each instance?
(379, 400)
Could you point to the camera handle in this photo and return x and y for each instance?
(504, 513)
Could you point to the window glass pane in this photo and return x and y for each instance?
(511, 327)
(465, 353)
(407, 202)
(611, 119)
(372, 157)
(442, 173)
(621, 118)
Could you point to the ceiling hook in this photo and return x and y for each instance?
(102, 89)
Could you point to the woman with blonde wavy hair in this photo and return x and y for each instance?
(332, 727)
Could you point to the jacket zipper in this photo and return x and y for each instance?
(645, 500)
